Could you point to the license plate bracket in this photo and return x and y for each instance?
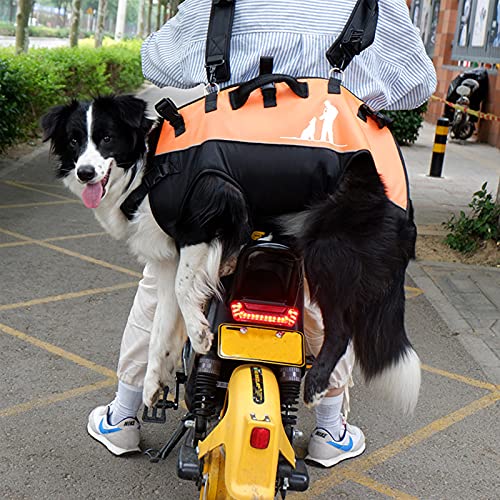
(262, 344)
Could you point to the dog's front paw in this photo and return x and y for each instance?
(156, 379)
(151, 392)
(201, 339)
(315, 387)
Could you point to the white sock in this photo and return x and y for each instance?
(127, 402)
(329, 416)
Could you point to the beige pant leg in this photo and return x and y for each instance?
(314, 332)
(133, 359)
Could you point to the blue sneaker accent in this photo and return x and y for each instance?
(325, 451)
(102, 430)
(343, 447)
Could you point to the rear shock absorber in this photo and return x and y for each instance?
(289, 381)
(207, 375)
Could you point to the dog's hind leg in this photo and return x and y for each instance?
(196, 282)
(356, 247)
(334, 346)
(333, 288)
(167, 335)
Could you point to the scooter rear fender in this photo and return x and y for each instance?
(253, 401)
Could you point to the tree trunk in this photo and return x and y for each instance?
(22, 18)
(140, 19)
(75, 23)
(166, 12)
(158, 16)
(101, 15)
(121, 16)
(150, 14)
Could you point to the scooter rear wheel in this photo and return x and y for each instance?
(214, 486)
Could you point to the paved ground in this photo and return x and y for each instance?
(66, 290)
(36, 42)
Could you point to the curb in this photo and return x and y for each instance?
(6, 169)
(475, 346)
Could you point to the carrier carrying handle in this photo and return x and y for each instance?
(239, 96)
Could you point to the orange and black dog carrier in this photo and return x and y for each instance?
(282, 141)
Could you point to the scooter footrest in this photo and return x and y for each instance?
(299, 478)
(188, 463)
(157, 413)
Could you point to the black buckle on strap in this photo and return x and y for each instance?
(219, 41)
(168, 110)
(357, 35)
(381, 120)
(269, 90)
(155, 175)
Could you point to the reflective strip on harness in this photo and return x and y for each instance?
(320, 121)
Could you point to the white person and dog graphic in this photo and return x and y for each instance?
(328, 116)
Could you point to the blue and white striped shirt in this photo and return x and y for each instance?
(393, 73)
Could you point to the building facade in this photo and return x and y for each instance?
(462, 34)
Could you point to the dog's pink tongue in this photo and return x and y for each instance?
(92, 195)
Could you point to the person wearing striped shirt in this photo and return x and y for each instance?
(393, 73)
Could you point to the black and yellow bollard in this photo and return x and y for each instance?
(439, 147)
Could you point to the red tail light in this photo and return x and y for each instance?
(260, 438)
(264, 313)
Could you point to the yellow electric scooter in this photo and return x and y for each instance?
(242, 396)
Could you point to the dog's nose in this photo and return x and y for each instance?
(85, 173)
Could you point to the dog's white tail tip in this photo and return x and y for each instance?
(400, 382)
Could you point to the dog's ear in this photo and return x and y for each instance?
(132, 111)
(55, 119)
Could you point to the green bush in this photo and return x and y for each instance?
(467, 232)
(13, 96)
(406, 124)
(7, 29)
(31, 83)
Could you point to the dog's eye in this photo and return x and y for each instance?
(73, 142)
(106, 138)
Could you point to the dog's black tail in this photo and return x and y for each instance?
(356, 247)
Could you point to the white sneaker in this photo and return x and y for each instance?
(326, 451)
(119, 439)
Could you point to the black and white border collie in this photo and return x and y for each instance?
(356, 246)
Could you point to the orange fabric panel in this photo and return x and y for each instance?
(321, 120)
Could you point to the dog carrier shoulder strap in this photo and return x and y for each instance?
(151, 178)
(219, 40)
(357, 35)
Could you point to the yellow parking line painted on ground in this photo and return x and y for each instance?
(42, 191)
(411, 292)
(380, 456)
(53, 349)
(55, 398)
(99, 262)
(368, 482)
(15, 244)
(80, 256)
(55, 238)
(461, 378)
(75, 236)
(37, 204)
(67, 296)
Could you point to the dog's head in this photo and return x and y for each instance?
(98, 143)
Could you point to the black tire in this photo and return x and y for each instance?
(465, 131)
